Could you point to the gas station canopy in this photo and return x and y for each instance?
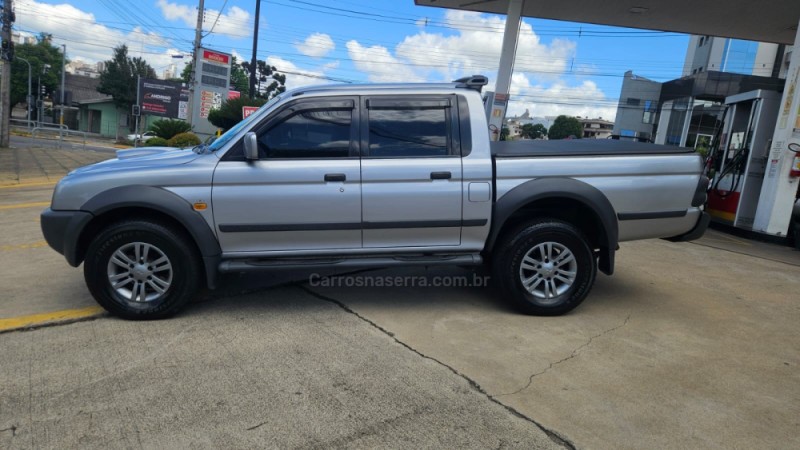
(765, 21)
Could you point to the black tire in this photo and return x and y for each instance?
(550, 294)
(179, 282)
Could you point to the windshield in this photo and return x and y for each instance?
(228, 135)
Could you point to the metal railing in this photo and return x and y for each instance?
(61, 132)
(34, 124)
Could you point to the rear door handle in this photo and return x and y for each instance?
(441, 175)
(335, 177)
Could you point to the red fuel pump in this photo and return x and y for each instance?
(795, 170)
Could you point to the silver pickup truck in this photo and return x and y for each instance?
(369, 176)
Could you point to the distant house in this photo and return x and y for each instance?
(93, 112)
(596, 128)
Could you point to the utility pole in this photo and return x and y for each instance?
(253, 60)
(63, 76)
(137, 109)
(198, 37)
(5, 73)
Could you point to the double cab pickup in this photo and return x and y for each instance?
(369, 176)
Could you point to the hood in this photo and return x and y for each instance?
(143, 151)
(145, 157)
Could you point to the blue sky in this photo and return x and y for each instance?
(561, 67)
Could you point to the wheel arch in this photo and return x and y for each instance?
(154, 203)
(568, 199)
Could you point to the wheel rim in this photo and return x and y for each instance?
(548, 270)
(140, 272)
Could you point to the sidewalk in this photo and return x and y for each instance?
(42, 165)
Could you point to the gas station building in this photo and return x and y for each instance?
(760, 130)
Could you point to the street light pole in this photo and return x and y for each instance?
(28, 98)
(63, 76)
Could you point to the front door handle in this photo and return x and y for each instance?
(441, 175)
(335, 177)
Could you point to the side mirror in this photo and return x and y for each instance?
(251, 146)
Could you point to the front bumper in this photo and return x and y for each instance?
(696, 232)
(62, 230)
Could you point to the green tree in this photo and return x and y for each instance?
(38, 54)
(120, 75)
(239, 79)
(564, 127)
(504, 133)
(531, 131)
(230, 113)
(269, 82)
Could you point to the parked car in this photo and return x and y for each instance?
(370, 176)
(141, 137)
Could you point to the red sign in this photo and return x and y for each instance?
(216, 57)
(234, 94)
(247, 110)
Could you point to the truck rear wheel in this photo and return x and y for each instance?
(141, 270)
(546, 267)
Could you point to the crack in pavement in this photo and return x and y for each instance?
(553, 435)
(571, 355)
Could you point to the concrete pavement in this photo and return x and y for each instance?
(279, 369)
(687, 345)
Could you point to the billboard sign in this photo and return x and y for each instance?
(160, 97)
(211, 88)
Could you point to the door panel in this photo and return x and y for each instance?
(411, 172)
(304, 193)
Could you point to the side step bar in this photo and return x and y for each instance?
(257, 265)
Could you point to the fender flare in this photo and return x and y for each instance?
(169, 204)
(560, 187)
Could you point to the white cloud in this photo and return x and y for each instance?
(380, 65)
(295, 76)
(585, 99)
(236, 22)
(474, 48)
(91, 41)
(316, 45)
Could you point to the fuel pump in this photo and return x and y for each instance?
(795, 170)
(738, 166)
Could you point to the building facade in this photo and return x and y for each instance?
(596, 128)
(708, 53)
(637, 108)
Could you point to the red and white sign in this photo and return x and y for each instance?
(221, 58)
(247, 110)
(234, 94)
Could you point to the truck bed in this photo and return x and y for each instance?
(581, 147)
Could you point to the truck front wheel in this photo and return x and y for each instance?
(545, 267)
(141, 270)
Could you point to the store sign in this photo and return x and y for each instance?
(160, 97)
(248, 110)
(217, 57)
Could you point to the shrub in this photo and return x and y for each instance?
(156, 142)
(167, 128)
(184, 140)
(230, 113)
